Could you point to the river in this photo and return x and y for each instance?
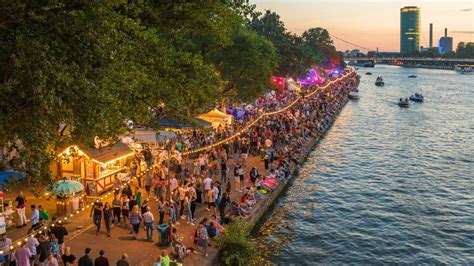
(387, 185)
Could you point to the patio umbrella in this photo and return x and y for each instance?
(66, 188)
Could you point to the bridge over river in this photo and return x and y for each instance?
(438, 63)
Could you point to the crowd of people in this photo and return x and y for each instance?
(222, 182)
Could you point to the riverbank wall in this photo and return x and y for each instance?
(262, 209)
(261, 212)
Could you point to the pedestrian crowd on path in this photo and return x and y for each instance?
(216, 181)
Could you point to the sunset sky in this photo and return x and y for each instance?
(374, 23)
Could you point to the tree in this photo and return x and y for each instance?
(247, 65)
(235, 246)
(91, 65)
(289, 46)
(319, 47)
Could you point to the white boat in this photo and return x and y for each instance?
(464, 69)
(354, 94)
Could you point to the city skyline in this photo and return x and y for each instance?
(361, 30)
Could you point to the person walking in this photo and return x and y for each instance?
(224, 169)
(107, 217)
(161, 210)
(43, 249)
(222, 205)
(59, 232)
(68, 257)
(202, 239)
(51, 260)
(148, 221)
(96, 213)
(135, 220)
(86, 259)
(125, 209)
(101, 260)
(43, 214)
(34, 217)
(193, 200)
(31, 244)
(172, 213)
(123, 261)
(116, 210)
(5, 244)
(187, 204)
(22, 256)
(21, 208)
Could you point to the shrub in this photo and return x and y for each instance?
(236, 247)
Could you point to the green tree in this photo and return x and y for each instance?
(247, 65)
(290, 49)
(235, 246)
(90, 65)
(318, 46)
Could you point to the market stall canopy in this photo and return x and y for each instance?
(103, 155)
(110, 153)
(293, 86)
(67, 188)
(217, 118)
(6, 175)
(173, 123)
(152, 136)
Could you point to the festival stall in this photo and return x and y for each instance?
(153, 138)
(217, 118)
(96, 169)
(173, 124)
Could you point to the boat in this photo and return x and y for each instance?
(368, 73)
(379, 82)
(412, 76)
(354, 94)
(417, 98)
(362, 63)
(403, 103)
(464, 69)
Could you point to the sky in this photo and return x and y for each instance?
(374, 23)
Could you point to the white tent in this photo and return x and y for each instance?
(217, 118)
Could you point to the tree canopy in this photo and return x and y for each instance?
(295, 53)
(72, 69)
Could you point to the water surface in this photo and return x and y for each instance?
(389, 185)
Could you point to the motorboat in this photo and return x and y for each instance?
(464, 69)
(412, 76)
(354, 94)
(403, 103)
(368, 73)
(379, 82)
(417, 98)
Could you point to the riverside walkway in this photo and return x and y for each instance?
(141, 252)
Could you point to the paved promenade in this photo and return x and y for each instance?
(140, 252)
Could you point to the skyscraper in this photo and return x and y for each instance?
(409, 29)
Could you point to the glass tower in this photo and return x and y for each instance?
(409, 29)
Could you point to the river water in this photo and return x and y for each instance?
(387, 185)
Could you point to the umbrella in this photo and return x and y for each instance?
(66, 188)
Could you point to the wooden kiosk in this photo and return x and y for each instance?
(95, 168)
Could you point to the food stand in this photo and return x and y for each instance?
(95, 168)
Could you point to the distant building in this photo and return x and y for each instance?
(409, 29)
(445, 44)
(355, 53)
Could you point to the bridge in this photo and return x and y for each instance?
(422, 62)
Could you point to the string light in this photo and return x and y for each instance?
(198, 150)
